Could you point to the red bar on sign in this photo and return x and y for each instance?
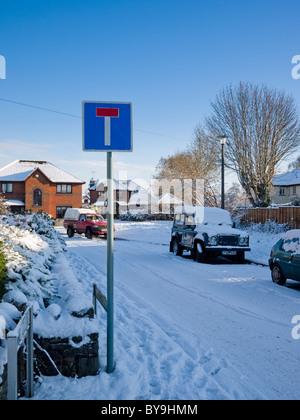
(107, 112)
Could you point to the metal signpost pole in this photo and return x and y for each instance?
(110, 264)
(107, 127)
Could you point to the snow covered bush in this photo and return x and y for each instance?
(270, 227)
(39, 223)
(134, 215)
(2, 272)
(29, 247)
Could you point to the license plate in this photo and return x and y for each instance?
(228, 252)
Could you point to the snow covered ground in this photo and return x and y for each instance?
(184, 330)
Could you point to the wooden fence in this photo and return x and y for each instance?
(290, 215)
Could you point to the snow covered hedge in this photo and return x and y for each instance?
(2, 271)
(29, 246)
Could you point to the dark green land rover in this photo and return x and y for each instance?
(207, 232)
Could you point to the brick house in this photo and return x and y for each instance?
(39, 186)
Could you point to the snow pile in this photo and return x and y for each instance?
(67, 315)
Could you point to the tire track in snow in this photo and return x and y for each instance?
(157, 354)
(216, 368)
(239, 310)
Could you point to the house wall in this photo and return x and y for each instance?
(288, 196)
(18, 191)
(50, 198)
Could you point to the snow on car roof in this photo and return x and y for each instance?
(291, 234)
(211, 215)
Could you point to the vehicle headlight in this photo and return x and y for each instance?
(243, 240)
(213, 240)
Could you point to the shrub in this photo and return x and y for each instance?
(3, 270)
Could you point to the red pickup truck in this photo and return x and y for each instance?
(84, 221)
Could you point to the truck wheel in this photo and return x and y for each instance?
(70, 232)
(89, 233)
(177, 249)
(199, 253)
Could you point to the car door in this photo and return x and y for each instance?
(295, 257)
(286, 258)
(295, 261)
(81, 224)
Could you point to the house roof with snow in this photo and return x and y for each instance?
(20, 170)
(137, 184)
(287, 179)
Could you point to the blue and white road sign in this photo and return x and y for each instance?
(107, 126)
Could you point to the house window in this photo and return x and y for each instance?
(64, 189)
(282, 191)
(119, 194)
(60, 211)
(37, 197)
(294, 190)
(7, 188)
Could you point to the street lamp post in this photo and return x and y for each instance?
(223, 141)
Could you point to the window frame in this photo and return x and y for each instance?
(4, 187)
(39, 202)
(68, 189)
(282, 191)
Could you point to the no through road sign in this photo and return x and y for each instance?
(107, 126)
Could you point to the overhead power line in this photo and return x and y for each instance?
(38, 107)
(77, 116)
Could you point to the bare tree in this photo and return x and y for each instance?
(197, 162)
(263, 128)
(295, 164)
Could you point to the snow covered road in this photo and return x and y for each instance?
(184, 330)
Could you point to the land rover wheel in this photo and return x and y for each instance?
(177, 249)
(89, 233)
(277, 275)
(199, 255)
(70, 232)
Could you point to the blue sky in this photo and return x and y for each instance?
(169, 58)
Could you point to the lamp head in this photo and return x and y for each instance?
(222, 139)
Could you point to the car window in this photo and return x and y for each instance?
(94, 218)
(179, 220)
(190, 221)
(284, 246)
(291, 246)
(82, 218)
